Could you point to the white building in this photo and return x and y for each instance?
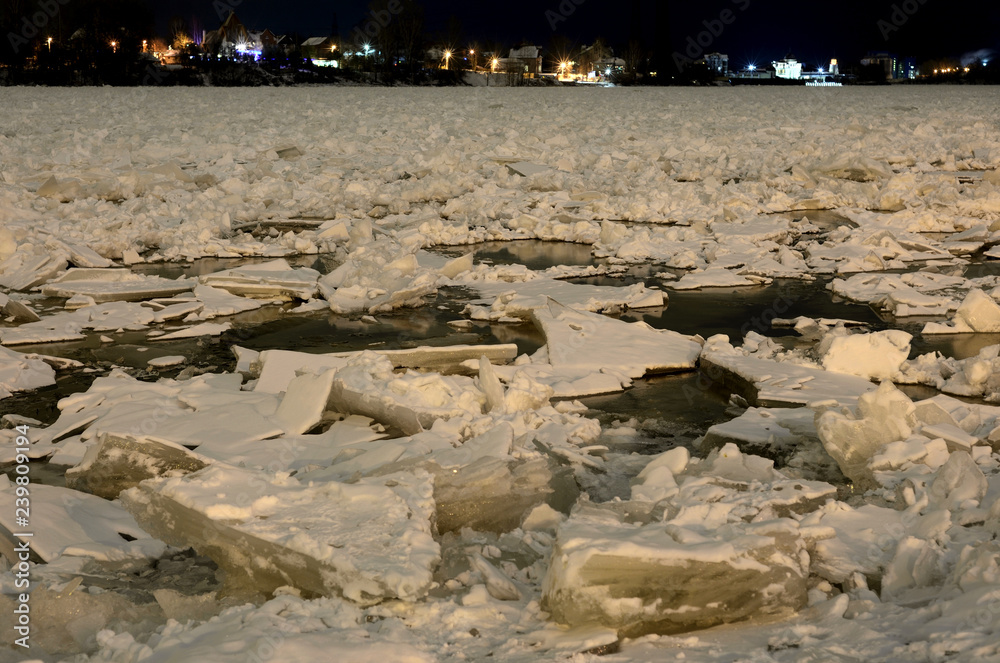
(787, 68)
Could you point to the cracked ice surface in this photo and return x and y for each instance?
(486, 518)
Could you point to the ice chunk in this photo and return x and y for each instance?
(977, 313)
(861, 540)
(517, 300)
(764, 382)
(204, 329)
(275, 279)
(883, 416)
(666, 579)
(366, 541)
(876, 356)
(958, 481)
(110, 285)
(19, 372)
(304, 402)
(19, 311)
(490, 494)
(116, 463)
(368, 386)
(68, 522)
(580, 339)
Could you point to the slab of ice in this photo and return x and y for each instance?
(166, 361)
(116, 463)
(716, 277)
(977, 313)
(517, 300)
(875, 356)
(19, 372)
(109, 285)
(902, 295)
(378, 277)
(274, 279)
(665, 579)
(769, 432)
(578, 339)
(366, 541)
(203, 329)
(111, 316)
(764, 382)
(278, 367)
(367, 385)
(20, 312)
(68, 522)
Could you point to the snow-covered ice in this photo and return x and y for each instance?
(375, 495)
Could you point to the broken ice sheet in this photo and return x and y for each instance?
(366, 541)
(579, 339)
(115, 284)
(68, 522)
(764, 382)
(19, 372)
(274, 279)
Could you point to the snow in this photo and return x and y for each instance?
(413, 503)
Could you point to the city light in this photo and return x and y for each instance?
(751, 67)
(493, 64)
(447, 57)
(49, 42)
(114, 47)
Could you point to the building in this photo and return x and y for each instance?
(323, 51)
(718, 63)
(524, 59)
(231, 39)
(789, 68)
(895, 67)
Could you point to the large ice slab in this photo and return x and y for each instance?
(517, 300)
(366, 541)
(664, 579)
(276, 368)
(978, 312)
(110, 285)
(579, 339)
(274, 279)
(764, 382)
(19, 372)
(68, 522)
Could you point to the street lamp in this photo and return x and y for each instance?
(49, 42)
(493, 64)
(447, 57)
(114, 47)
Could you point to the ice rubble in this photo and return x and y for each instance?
(688, 197)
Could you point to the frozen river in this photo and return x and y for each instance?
(516, 374)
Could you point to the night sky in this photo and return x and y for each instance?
(759, 30)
